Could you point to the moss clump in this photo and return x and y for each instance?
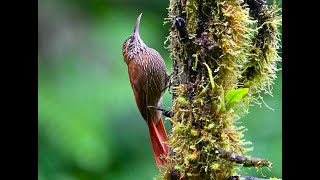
(217, 47)
(259, 72)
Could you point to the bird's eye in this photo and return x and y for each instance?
(131, 40)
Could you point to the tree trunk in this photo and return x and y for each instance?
(224, 54)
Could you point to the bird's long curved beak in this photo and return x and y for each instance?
(136, 28)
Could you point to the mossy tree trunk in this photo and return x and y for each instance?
(224, 54)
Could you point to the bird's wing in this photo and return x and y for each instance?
(137, 81)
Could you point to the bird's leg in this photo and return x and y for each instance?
(166, 113)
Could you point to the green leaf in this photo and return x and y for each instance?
(235, 95)
(210, 75)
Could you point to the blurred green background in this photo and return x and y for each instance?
(89, 127)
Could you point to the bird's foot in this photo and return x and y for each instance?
(166, 113)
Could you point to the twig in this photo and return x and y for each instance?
(244, 177)
(245, 161)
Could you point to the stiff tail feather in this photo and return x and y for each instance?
(158, 135)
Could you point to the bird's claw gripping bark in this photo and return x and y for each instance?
(166, 113)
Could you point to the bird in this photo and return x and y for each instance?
(149, 79)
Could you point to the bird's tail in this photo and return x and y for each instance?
(158, 135)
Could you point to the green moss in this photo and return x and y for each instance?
(191, 10)
(226, 49)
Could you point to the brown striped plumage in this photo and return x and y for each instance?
(148, 78)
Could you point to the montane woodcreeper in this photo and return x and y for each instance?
(148, 78)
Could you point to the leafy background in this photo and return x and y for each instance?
(89, 127)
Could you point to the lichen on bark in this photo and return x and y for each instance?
(216, 47)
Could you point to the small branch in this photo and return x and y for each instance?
(245, 178)
(245, 161)
(174, 175)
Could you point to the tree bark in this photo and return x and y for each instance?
(224, 54)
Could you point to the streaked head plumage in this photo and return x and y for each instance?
(133, 44)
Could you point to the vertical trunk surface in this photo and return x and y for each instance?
(224, 53)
